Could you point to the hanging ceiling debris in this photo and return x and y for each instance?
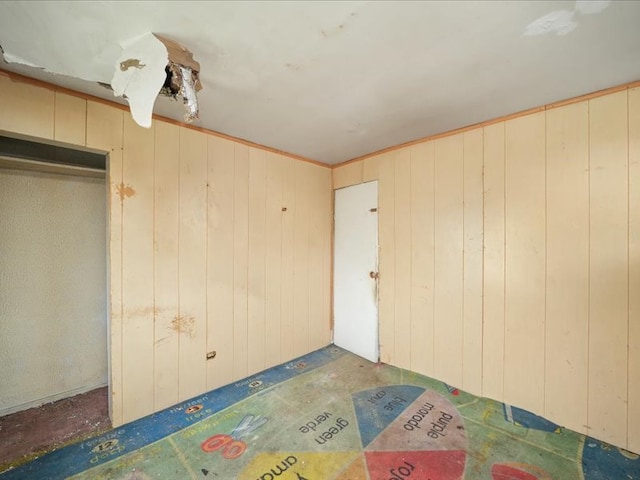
(182, 77)
(150, 65)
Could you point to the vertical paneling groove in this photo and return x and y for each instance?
(273, 291)
(191, 322)
(327, 268)
(493, 262)
(301, 260)
(472, 266)
(136, 193)
(402, 230)
(567, 281)
(608, 302)
(166, 224)
(633, 420)
(448, 261)
(256, 261)
(287, 256)
(386, 230)
(525, 262)
(220, 248)
(105, 131)
(318, 323)
(422, 253)
(240, 260)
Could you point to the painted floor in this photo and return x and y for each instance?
(332, 415)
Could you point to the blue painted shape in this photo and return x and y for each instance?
(601, 461)
(527, 419)
(377, 408)
(79, 457)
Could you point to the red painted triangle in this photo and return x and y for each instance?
(425, 465)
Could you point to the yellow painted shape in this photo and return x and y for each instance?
(294, 465)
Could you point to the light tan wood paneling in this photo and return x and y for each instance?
(403, 267)
(448, 261)
(104, 132)
(528, 281)
(525, 262)
(608, 267)
(166, 176)
(191, 321)
(319, 192)
(70, 115)
(633, 420)
(349, 174)
(240, 261)
(137, 194)
(301, 260)
(472, 267)
(387, 261)
(26, 109)
(567, 281)
(422, 253)
(220, 258)
(493, 261)
(613, 249)
(370, 169)
(327, 253)
(273, 258)
(287, 259)
(256, 281)
(327, 256)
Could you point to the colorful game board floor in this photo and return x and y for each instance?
(332, 415)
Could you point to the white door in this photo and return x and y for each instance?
(355, 266)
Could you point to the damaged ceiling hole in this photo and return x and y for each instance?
(151, 65)
(182, 77)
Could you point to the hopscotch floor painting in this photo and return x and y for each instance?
(332, 415)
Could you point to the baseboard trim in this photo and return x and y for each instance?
(51, 398)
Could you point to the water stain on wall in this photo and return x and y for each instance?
(124, 191)
(184, 324)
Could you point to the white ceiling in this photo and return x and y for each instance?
(335, 80)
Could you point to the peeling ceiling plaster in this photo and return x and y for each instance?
(139, 75)
(335, 80)
(562, 22)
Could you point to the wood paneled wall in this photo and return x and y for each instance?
(510, 261)
(214, 245)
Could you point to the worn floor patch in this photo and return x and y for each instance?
(332, 415)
